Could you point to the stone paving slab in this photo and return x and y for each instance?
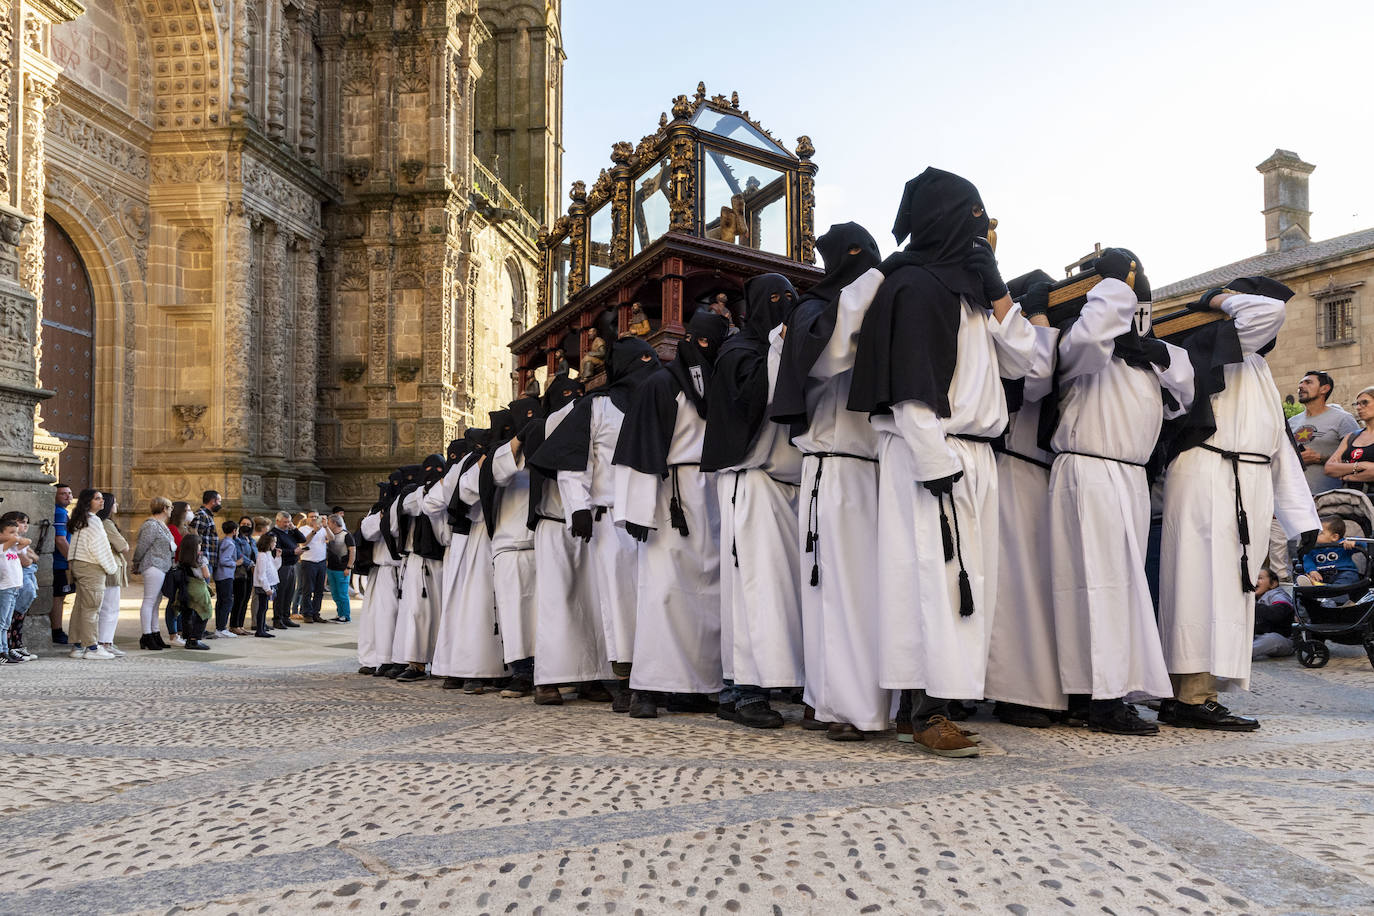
(275, 779)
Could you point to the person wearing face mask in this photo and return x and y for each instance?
(940, 333)
(1230, 467)
(579, 454)
(835, 537)
(570, 643)
(666, 502)
(759, 470)
(504, 490)
(1116, 387)
(417, 618)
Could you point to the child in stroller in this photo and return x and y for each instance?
(1341, 608)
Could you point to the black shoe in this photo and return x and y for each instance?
(1023, 716)
(726, 711)
(594, 692)
(960, 712)
(620, 699)
(473, 686)
(1121, 719)
(811, 723)
(59, 637)
(196, 644)
(758, 715)
(518, 688)
(365, 670)
(146, 641)
(381, 671)
(452, 683)
(157, 638)
(411, 674)
(290, 625)
(1210, 715)
(1168, 712)
(690, 702)
(394, 671)
(265, 635)
(843, 731)
(643, 705)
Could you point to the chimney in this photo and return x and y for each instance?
(1286, 216)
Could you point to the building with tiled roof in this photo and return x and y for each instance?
(1328, 324)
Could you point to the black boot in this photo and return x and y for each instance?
(157, 638)
(1024, 716)
(643, 705)
(620, 696)
(758, 715)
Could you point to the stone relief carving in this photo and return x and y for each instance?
(293, 201)
(189, 169)
(98, 143)
(6, 99)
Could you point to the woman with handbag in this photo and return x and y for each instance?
(90, 562)
(116, 582)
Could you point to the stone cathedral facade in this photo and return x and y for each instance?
(269, 247)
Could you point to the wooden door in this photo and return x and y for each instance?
(69, 355)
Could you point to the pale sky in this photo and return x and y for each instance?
(1127, 124)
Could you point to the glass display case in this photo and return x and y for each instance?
(705, 201)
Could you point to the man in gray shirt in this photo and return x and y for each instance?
(1319, 428)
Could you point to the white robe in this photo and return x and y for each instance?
(839, 613)
(512, 556)
(1023, 658)
(417, 620)
(570, 640)
(467, 644)
(614, 554)
(760, 577)
(380, 603)
(677, 623)
(1206, 620)
(1100, 509)
(926, 643)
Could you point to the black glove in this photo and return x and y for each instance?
(1206, 301)
(638, 532)
(942, 485)
(582, 524)
(1307, 541)
(983, 263)
(1036, 301)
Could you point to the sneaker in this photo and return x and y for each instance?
(178, 641)
(907, 735)
(97, 652)
(14, 655)
(225, 634)
(28, 656)
(5, 659)
(943, 737)
(78, 652)
(59, 637)
(113, 649)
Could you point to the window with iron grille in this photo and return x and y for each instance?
(1336, 321)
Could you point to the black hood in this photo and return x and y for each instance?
(432, 468)
(632, 360)
(813, 320)
(770, 299)
(943, 214)
(502, 426)
(561, 392)
(523, 412)
(696, 354)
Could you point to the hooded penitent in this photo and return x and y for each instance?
(476, 441)
(560, 392)
(738, 402)
(648, 431)
(848, 252)
(521, 413)
(908, 345)
(568, 448)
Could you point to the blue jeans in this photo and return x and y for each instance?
(27, 592)
(310, 585)
(338, 590)
(7, 599)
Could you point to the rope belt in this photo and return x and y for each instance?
(424, 583)
(734, 525)
(954, 548)
(813, 511)
(1134, 464)
(676, 516)
(540, 516)
(598, 512)
(396, 574)
(1026, 458)
(983, 440)
(1242, 520)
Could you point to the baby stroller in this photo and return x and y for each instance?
(1352, 622)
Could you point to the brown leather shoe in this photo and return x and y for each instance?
(810, 723)
(944, 738)
(547, 695)
(843, 731)
(904, 733)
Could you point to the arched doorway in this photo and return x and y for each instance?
(68, 353)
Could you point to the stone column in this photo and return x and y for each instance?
(277, 38)
(274, 422)
(238, 97)
(306, 351)
(238, 331)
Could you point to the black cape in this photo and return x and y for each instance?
(459, 520)
(909, 343)
(568, 448)
(504, 424)
(812, 322)
(646, 436)
(561, 391)
(738, 403)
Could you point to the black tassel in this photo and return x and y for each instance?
(1244, 522)
(1245, 584)
(810, 542)
(965, 595)
(815, 575)
(734, 553)
(675, 515)
(945, 533)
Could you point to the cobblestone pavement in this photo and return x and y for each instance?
(246, 780)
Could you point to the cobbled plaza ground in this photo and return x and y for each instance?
(266, 776)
